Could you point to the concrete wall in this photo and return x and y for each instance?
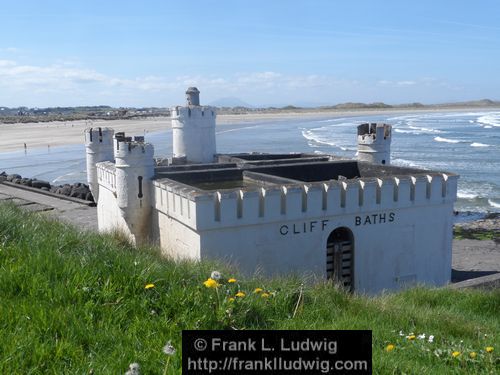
(402, 227)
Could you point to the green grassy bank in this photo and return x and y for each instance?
(77, 303)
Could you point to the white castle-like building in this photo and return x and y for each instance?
(365, 224)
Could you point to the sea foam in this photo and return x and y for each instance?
(492, 119)
(493, 203)
(447, 140)
(477, 144)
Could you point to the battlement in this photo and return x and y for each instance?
(211, 209)
(132, 148)
(192, 112)
(369, 133)
(98, 136)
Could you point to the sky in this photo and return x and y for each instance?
(263, 52)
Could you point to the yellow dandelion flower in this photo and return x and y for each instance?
(230, 299)
(149, 286)
(389, 348)
(455, 354)
(489, 349)
(211, 283)
(411, 337)
(240, 294)
(473, 355)
(258, 290)
(265, 295)
(232, 280)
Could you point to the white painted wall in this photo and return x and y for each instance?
(99, 148)
(193, 131)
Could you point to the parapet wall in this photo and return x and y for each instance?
(106, 175)
(206, 210)
(193, 112)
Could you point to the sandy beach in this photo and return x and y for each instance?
(59, 133)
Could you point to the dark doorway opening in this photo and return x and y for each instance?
(340, 257)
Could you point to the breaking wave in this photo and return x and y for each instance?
(492, 119)
(466, 195)
(492, 203)
(447, 140)
(477, 144)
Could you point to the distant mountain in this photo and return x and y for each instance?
(230, 102)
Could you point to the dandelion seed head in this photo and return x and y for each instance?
(133, 369)
(169, 349)
(401, 333)
(431, 338)
(421, 337)
(215, 275)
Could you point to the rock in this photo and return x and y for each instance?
(64, 190)
(40, 184)
(12, 177)
(26, 181)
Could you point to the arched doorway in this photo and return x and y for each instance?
(340, 257)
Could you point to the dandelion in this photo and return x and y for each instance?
(232, 280)
(149, 286)
(258, 290)
(489, 349)
(169, 349)
(389, 348)
(230, 299)
(431, 338)
(421, 337)
(473, 355)
(215, 275)
(133, 369)
(211, 283)
(411, 337)
(455, 354)
(240, 294)
(265, 295)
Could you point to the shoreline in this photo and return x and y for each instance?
(62, 133)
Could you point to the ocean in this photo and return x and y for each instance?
(466, 143)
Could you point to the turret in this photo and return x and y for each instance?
(134, 171)
(374, 143)
(99, 147)
(193, 130)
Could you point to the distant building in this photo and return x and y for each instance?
(367, 225)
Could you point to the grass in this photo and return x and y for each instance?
(76, 303)
(475, 234)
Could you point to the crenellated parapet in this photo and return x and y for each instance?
(374, 143)
(226, 208)
(98, 148)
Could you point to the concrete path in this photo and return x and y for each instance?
(74, 213)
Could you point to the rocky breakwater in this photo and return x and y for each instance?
(76, 190)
